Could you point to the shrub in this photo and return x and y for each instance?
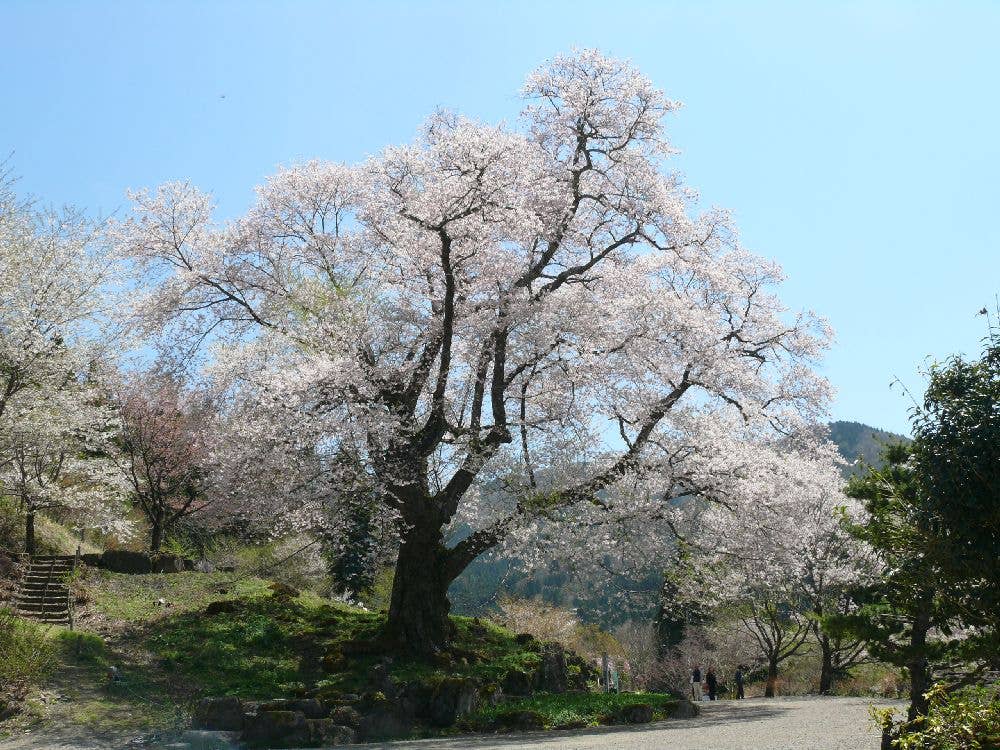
(27, 658)
(967, 719)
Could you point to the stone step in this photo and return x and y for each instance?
(40, 585)
(33, 597)
(44, 609)
(40, 595)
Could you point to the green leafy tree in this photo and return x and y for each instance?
(896, 614)
(956, 456)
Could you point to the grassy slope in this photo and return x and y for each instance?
(272, 647)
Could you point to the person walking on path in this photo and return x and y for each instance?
(696, 683)
(739, 682)
(713, 683)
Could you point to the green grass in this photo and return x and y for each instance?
(134, 598)
(573, 709)
(271, 647)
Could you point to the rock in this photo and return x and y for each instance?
(684, 709)
(525, 720)
(385, 720)
(346, 716)
(221, 607)
(124, 561)
(516, 682)
(276, 728)
(326, 732)
(219, 714)
(167, 564)
(551, 675)
(638, 713)
(452, 698)
(203, 566)
(309, 707)
(491, 694)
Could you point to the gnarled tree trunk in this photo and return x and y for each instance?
(418, 620)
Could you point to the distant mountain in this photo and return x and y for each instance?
(856, 440)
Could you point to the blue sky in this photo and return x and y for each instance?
(856, 143)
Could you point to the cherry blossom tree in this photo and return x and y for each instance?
(784, 560)
(54, 284)
(161, 453)
(482, 309)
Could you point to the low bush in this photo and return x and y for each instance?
(570, 710)
(967, 719)
(27, 658)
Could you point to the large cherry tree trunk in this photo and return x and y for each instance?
(418, 620)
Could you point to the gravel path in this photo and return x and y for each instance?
(756, 724)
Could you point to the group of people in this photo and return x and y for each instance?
(711, 683)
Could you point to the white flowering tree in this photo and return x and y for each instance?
(53, 297)
(538, 309)
(783, 560)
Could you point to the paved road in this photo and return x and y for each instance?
(757, 724)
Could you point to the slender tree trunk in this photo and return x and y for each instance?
(29, 532)
(826, 672)
(920, 676)
(156, 535)
(418, 620)
(772, 677)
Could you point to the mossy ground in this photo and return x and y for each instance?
(172, 653)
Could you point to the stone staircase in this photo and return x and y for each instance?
(43, 593)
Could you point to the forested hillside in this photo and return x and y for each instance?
(858, 440)
(477, 590)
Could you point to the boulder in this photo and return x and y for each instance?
(638, 713)
(524, 720)
(452, 698)
(684, 709)
(276, 729)
(309, 707)
(516, 682)
(219, 714)
(551, 674)
(346, 716)
(327, 733)
(124, 561)
(385, 720)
